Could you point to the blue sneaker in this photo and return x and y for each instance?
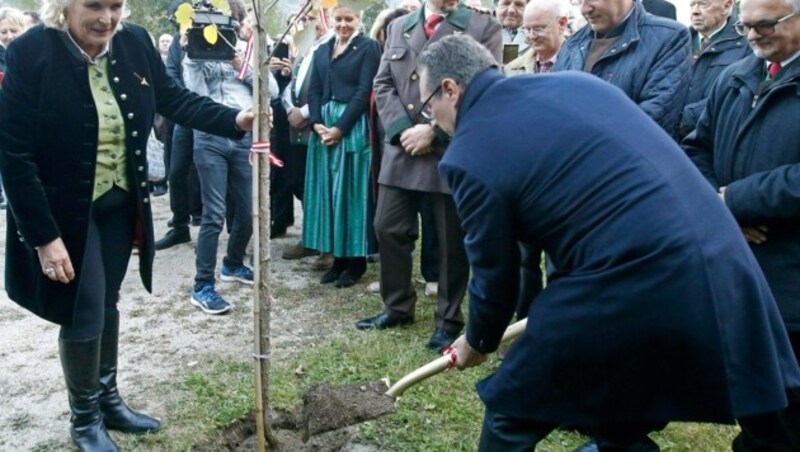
(241, 274)
(207, 299)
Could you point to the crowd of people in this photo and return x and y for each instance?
(627, 182)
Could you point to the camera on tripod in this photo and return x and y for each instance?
(198, 48)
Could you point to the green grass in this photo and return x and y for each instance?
(441, 414)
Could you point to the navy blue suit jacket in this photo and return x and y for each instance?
(657, 311)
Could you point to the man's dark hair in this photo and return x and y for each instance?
(458, 57)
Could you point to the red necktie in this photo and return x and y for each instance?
(431, 23)
(773, 69)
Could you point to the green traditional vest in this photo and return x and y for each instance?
(112, 164)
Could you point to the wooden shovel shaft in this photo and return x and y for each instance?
(441, 364)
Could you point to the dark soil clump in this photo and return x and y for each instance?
(329, 407)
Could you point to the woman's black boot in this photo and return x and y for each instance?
(80, 361)
(339, 265)
(356, 268)
(116, 414)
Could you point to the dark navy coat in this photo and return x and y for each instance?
(650, 62)
(658, 310)
(48, 151)
(726, 49)
(750, 144)
(661, 8)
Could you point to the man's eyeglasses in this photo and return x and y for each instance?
(538, 31)
(423, 109)
(700, 4)
(763, 28)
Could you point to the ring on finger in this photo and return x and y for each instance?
(49, 270)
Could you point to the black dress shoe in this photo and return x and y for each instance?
(383, 321)
(441, 338)
(276, 230)
(174, 237)
(159, 189)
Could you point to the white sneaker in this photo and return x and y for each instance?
(374, 287)
(431, 289)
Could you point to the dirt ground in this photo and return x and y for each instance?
(163, 337)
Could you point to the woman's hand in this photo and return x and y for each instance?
(55, 262)
(332, 137)
(320, 130)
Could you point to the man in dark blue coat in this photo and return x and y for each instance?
(715, 46)
(661, 8)
(747, 145)
(657, 310)
(647, 57)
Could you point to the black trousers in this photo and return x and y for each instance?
(108, 249)
(507, 434)
(288, 182)
(184, 185)
(396, 215)
(429, 249)
(774, 432)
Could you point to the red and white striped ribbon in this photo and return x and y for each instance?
(263, 147)
(248, 55)
(323, 18)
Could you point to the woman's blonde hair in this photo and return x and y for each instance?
(14, 16)
(53, 13)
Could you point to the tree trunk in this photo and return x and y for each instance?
(262, 305)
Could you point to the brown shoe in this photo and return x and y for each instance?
(323, 262)
(297, 251)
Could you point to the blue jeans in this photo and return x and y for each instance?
(223, 167)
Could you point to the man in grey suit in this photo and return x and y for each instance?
(414, 146)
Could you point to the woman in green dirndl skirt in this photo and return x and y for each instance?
(339, 155)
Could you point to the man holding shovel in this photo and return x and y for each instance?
(657, 310)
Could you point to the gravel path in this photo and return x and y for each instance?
(163, 337)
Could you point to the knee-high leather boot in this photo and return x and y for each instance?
(117, 415)
(80, 361)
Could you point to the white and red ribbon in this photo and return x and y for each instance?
(323, 18)
(263, 147)
(248, 55)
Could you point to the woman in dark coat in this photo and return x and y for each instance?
(78, 101)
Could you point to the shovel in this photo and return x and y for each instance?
(327, 407)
